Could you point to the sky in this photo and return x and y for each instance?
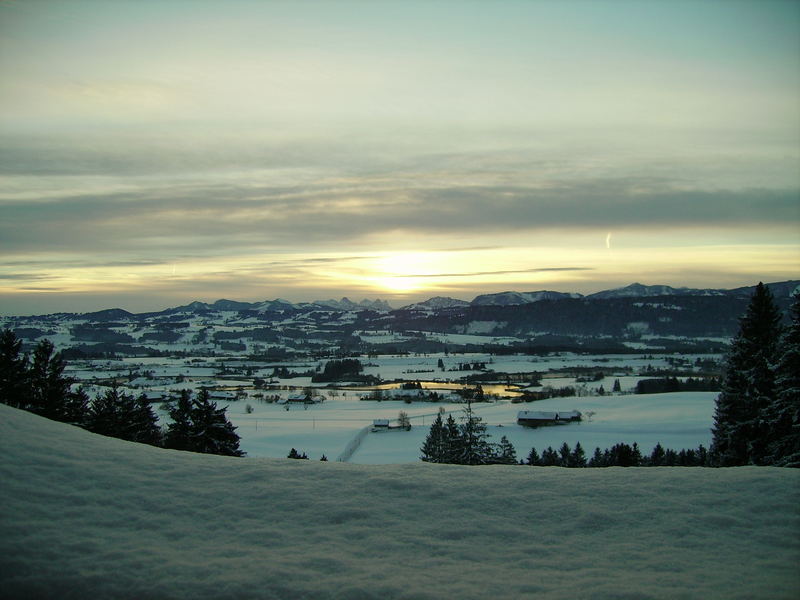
(155, 153)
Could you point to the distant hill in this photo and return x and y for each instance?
(512, 298)
(637, 290)
(436, 303)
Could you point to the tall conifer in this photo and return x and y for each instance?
(784, 443)
(13, 371)
(741, 423)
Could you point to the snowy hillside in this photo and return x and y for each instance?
(513, 298)
(87, 516)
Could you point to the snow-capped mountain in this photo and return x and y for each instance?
(437, 303)
(347, 304)
(279, 304)
(638, 290)
(513, 298)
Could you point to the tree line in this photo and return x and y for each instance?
(619, 455)
(37, 384)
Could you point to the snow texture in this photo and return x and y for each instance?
(87, 516)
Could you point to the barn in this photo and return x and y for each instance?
(534, 418)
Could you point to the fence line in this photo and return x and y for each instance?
(353, 444)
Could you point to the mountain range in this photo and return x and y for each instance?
(783, 289)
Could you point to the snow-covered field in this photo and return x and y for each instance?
(676, 420)
(86, 516)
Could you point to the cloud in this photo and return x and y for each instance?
(25, 277)
(160, 219)
(479, 273)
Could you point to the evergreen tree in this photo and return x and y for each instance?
(741, 425)
(784, 414)
(50, 395)
(533, 458)
(506, 454)
(476, 449)
(702, 456)
(578, 457)
(433, 448)
(13, 371)
(597, 459)
(75, 410)
(145, 423)
(120, 415)
(179, 430)
(452, 442)
(550, 458)
(212, 433)
(563, 455)
(657, 456)
(295, 454)
(199, 426)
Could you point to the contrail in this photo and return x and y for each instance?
(608, 240)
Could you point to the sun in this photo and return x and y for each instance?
(399, 285)
(404, 272)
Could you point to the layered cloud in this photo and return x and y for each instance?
(265, 149)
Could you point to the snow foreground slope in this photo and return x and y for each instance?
(86, 516)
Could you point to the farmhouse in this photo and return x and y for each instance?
(301, 399)
(533, 418)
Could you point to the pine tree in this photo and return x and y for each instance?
(452, 442)
(13, 371)
(120, 415)
(550, 457)
(433, 448)
(50, 395)
(179, 431)
(76, 408)
(145, 423)
(212, 433)
(578, 457)
(657, 456)
(784, 414)
(741, 425)
(476, 450)
(199, 426)
(533, 458)
(506, 454)
(563, 455)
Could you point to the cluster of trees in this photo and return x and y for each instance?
(38, 384)
(465, 443)
(619, 455)
(475, 394)
(293, 453)
(673, 384)
(339, 369)
(545, 393)
(757, 416)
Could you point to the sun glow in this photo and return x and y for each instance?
(405, 272)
